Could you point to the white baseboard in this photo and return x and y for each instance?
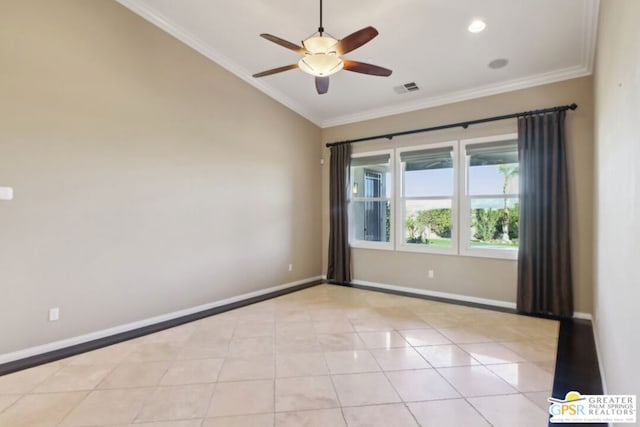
(456, 297)
(584, 316)
(68, 342)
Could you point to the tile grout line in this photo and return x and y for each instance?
(461, 395)
(275, 367)
(335, 390)
(305, 305)
(405, 403)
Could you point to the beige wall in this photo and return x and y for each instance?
(617, 136)
(147, 179)
(480, 277)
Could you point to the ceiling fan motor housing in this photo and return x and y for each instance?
(321, 60)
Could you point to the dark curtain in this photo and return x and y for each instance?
(544, 257)
(339, 268)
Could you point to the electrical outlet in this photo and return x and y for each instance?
(290, 267)
(430, 274)
(54, 314)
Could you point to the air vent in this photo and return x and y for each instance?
(406, 88)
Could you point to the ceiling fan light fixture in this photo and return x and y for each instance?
(322, 55)
(321, 64)
(319, 44)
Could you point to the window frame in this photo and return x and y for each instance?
(465, 248)
(460, 203)
(367, 244)
(403, 246)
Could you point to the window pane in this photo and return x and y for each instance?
(493, 153)
(431, 158)
(494, 222)
(371, 220)
(370, 176)
(380, 159)
(493, 168)
(493, 179)
(428, 222)
(427, 173)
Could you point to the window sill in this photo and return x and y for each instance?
(359, 244)
(509, 254)
(425, 249)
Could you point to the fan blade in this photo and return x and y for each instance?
(355, 40)
(361, 67)
(276, 70)
(282, 42)
(322, 85)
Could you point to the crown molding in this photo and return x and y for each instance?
(200, 46)
(590, 21)
(585, 68)
(463, 95)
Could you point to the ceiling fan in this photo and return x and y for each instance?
(322, 55)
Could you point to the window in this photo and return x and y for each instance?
(427, 198)
(370, 207)
(489, 208)
(457, 198)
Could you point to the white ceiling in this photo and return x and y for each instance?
(422, 41)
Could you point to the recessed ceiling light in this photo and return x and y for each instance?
(477, 26)
(498, 63)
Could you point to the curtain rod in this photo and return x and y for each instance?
(464, 125)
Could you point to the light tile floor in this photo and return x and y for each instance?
(326, 356)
